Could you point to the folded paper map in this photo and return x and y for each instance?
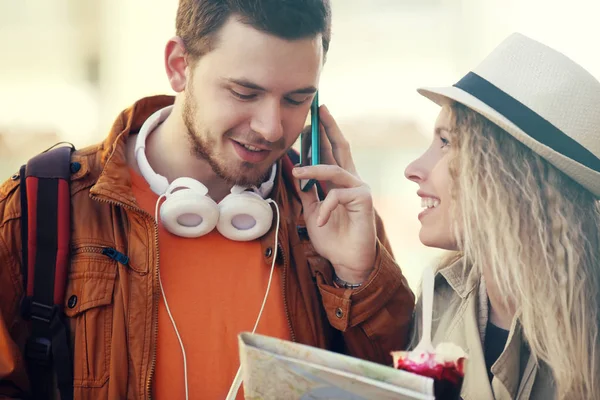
(279, 369)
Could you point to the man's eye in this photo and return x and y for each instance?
(296, 102)
(242, 96)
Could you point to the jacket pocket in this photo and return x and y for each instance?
(89, 306)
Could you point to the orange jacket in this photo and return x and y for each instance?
(114, 321)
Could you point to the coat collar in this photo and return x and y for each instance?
(114, 182)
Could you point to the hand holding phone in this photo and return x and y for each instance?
(310, 147)
(340, 222)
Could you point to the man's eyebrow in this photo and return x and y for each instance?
(247, 84)
(250, 85)
(306, 90)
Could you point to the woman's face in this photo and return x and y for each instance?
(431, 173)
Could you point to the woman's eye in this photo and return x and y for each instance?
(444, 141)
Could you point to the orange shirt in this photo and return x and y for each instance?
(214, 287)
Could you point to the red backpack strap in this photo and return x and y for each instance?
(46, 229)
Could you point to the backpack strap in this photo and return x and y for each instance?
(46, 229)
(294, 156)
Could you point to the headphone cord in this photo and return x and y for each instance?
(237, 381)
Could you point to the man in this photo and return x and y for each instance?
(245, 73)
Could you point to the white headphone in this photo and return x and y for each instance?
(242, 215)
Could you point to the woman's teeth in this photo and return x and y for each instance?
(428, 202)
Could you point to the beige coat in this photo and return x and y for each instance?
(460, 316)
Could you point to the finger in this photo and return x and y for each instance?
(305, 142)
(339, 144)
(309, 199)
(341, 197)
(326, 153)
(328, 173)
(326, 150)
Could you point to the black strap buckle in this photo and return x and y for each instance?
(39, 345)
(39, 349)
(42, 312)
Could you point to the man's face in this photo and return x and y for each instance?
(246, 101)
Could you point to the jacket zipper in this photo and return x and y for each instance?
(155, 295)
(284, 282)
(116, 255)
(155, 289)
(107, 251)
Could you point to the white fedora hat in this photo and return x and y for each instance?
(542, 98)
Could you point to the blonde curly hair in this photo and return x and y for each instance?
(538, 233)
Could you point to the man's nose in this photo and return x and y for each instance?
(267, 122)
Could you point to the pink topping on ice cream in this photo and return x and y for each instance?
(446, 363)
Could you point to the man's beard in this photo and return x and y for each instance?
(202, 146)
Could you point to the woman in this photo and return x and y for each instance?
(511, 184)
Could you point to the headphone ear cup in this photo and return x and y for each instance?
(244, 216)
(187, 213)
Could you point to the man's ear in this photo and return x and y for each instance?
(176, 63)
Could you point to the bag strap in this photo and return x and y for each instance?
(46, 229)
(294, 156)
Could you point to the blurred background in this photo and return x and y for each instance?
(68, 67)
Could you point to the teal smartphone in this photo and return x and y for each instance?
(310, 146)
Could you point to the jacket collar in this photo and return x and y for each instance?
(114, 182)
(460, 277)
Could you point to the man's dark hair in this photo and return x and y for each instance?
(198, 21)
